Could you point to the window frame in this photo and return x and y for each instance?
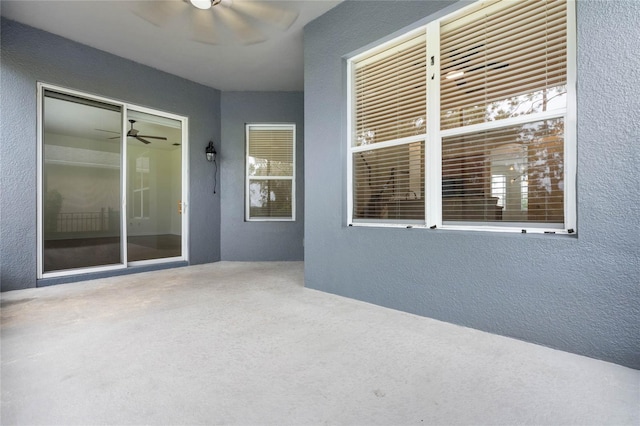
(247, 178)
(142, 192)
(435, 135)
(125, 109)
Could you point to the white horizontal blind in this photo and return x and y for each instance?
(270, 171)
(388, 183)
(390, 93)
(270, 152)
(503, 60)
(388, 148)
(528, 157)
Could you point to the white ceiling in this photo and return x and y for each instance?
(114, 26)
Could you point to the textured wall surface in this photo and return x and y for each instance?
(30, 55)
(253, 241)
(579, 294)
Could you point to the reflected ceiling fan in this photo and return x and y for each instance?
(133, 133)
(459, 68)
(242, 17)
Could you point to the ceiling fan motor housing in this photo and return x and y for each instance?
(133, 133)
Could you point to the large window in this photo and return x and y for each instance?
(468, 122)
(270, 172)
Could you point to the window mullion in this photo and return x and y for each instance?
(505, 122)
(351, 138)
(247, 186)
(389, 143)
(433, 151)
(270, 177)
(571, 122)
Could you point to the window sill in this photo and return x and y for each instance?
(472, 228)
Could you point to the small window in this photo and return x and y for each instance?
(270, 172)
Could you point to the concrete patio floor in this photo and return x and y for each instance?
(246, 343)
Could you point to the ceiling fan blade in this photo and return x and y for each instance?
(262, 11)
(158, 12)
(142, 140)
(203, 27)
(247, 33)
(108, 131)
(152, 137)
(115, 137)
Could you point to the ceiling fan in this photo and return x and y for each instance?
(133, 133)
(242, 17)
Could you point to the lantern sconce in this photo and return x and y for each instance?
(211, 152)
(211, 157)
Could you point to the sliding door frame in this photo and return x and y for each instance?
(125, 107)
(184, 128)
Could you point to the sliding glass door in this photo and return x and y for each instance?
(81, 183)
(154, 189)
(111, 185)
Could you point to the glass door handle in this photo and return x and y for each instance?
(179, 207)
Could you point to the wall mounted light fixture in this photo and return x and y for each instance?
(211, 152)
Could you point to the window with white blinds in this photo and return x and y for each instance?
(389, 110)
(389, 183)
(270, 172)
(499, 62)
(390, 92)
(504, 59)
(465, 122)
(530, 158)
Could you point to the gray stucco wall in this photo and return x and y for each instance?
(256, 241)
(30, 55)
(579, 294)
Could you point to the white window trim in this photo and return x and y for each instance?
(433, 142)
(247, 178)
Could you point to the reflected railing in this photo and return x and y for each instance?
(105, 220)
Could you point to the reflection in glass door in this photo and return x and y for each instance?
(111, 184)
(154, 187)
(81, 183)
